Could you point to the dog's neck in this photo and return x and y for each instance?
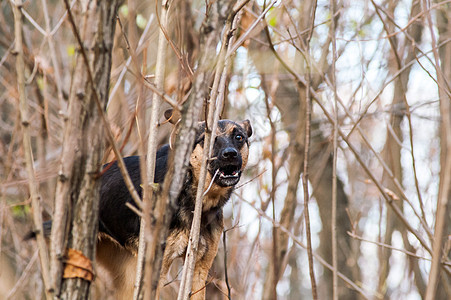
(212, 204)
(215, 196)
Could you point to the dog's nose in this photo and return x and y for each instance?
(229, 153)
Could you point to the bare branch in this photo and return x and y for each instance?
(210, 133)
(28, 152)
(317, 257)
(147, 228)
(335, 149)
(445, 176)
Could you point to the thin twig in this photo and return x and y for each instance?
(22, 277)
(335, 149)
(134, 209)
(252, 179)
(272, 196)
(297, 241)
(53, 57)
(32, 21)
(211, 183)
(244, 36)
(146, 228)
(354, 236)
(27, 148)
(305, 175)
(224, 239)
(159, 92)
(129, 59)
(305, 178)
(62, 19)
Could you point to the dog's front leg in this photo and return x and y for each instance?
(203, 266)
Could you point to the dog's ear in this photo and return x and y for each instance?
(246, 124)
(173, 115)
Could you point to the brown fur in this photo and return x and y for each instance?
(118, 266)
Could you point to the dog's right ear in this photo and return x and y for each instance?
(173, 116)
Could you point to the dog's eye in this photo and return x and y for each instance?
(239, 137)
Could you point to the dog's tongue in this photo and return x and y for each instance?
(228, 174)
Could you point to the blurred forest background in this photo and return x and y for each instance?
(367, 81)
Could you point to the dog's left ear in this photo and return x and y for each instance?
(246, 124)
(173, 116)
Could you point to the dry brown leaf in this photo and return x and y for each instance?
(78, 266)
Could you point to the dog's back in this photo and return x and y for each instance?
(115, 218)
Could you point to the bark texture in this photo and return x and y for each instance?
(76, 202)
(443, 290)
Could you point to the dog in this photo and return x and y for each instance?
(119, 226)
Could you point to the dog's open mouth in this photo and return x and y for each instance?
(229, 172)
(228, 175)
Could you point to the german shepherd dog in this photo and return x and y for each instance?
(119, 226)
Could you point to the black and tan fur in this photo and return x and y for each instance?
(119, 226)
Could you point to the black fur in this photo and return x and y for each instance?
(115, 218)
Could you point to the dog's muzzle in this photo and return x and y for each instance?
(228, 166)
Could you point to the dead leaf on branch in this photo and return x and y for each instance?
(78, 266)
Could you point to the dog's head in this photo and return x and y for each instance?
(229, 154)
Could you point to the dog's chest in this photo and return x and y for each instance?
(211, 201)
(178, 243)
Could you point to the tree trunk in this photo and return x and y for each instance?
(392, 149)
(443, 289)
(77, 194)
